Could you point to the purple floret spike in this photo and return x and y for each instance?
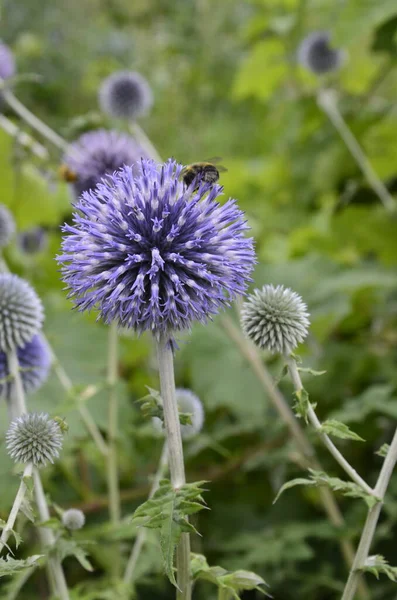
(152, 254)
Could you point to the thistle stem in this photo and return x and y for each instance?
(371, 521)
(174, 442)
(307, 453)
(47, 535)
(141, 536)
(112, 467)
(326, 100)
(31, 119)
(144, 141)
(19, 498)
(85, 414)
(23, 138)
(346, 466)
(223, 594)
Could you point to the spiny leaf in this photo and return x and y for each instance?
(10, 566)
(378, 565)
(234, 582)
(346, 488)
(383, 450)
(301, 405)
(340, 430)
(168, 511)
(70, 547)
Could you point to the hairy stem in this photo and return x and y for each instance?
(85, 414)
(23, 138)
(141, 536)
(307, 453)
(175, 450)
(371, 522)
(326, 100)
(112, 466)
(19, 498)
(31, 119)
(144, 141)
(346, 466)
(47, 535)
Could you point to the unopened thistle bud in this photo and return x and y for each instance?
(7, 226)
(275, 319)
(316, 54)
(125, 95)
(34, 438)
(190, 404)
(73, 519)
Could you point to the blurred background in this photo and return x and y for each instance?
(226, 82)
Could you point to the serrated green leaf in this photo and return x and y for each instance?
(234, 582)
(10, 566)
(301, 405)
(168, 511)
(346, 488)
(69, 547)
(340, 430)
(383, 450)
(378, 565)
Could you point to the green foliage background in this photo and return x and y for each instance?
(226, 83)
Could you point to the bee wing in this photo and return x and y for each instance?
(214, 159)
(221, 168)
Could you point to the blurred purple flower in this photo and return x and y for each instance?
(33, 240)
(7, 62)
(153, 254)
(316, 54)
(35, 362)
(99, 153)
(125, 95)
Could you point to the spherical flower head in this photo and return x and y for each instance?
(7, 226)
(34, 359)
(189, 403)
(125, 95)
(275, 318)
(99, 153)
(73, 519)
(7, 62)
(33, 240)
(35, 438)
(21, 312)
(153, 254)
(316, 54)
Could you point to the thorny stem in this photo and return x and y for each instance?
(47, 535)
(23, 138)
(371, 522)
(308, 457)
(346, 466)
(141, 536)
(19, 498)
(326, 100)
(174, 442)
(144, 141)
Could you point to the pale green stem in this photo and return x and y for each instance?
(371, 522)
(144, 141)
(326, 100)
(112, 467)
(48, 539)
(141, 536)
(223, 594)
(175, 450)
(85, 414)
(47, 535)
(346, 466)
(31, 119)
(23, 138)
(307, 456)
(19, 498)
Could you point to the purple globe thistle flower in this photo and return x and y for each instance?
(99, 153)
(153, 254)
(34, 360)
(125, 95)
(7, 62)
(33, 240)
(316, 54)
